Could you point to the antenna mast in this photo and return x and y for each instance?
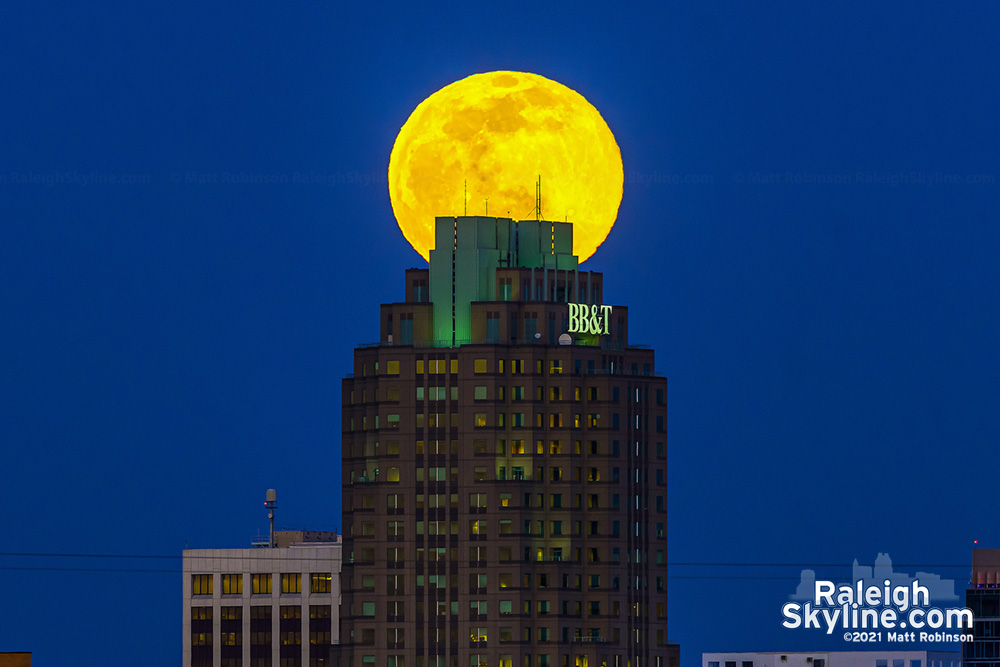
(538, 198)
(270, 504)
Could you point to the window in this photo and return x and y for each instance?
(232, 584)
(320, 582)
(368, 609)
(291, 583)
(479, 366)
(392, 367)
(261, 584)
(479, 419)
(480, 393)
(201, 584)
(493, 327)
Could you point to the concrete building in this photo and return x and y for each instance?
(504, 466)
(886, 658)
(263, 607)
(983, 598)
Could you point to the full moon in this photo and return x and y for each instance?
(477, 147)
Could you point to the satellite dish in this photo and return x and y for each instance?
(565, 339)
(537, 336)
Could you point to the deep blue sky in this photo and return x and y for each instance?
(168, 349)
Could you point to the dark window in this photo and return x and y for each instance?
(493, 328)
(406, 329)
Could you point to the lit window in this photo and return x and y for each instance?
(232, 584)
(261, 584)
(291, 583)
(201, 584)
(321, 582)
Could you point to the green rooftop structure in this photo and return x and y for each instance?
(503, 281)
(469, 250)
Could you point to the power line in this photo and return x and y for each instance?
(39, 554)
(84, 569)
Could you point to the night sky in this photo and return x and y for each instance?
(808, 237)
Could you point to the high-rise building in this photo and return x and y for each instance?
(891, 657)
(983, 598)
(504, 466)
(263, 607)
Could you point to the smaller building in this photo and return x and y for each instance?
(15, 658)
(887, 658)
(983, 598)
(260, 607)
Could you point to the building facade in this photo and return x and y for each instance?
(263, 607)
(504, 467)
(887, 658)
(983, 598)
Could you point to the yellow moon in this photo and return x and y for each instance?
(498, 132)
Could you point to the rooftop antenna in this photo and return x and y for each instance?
(538, 198)
(270, 504)
(487, 207)
(465, 198)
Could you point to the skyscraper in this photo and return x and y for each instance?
(504, 462)
(983, 598)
